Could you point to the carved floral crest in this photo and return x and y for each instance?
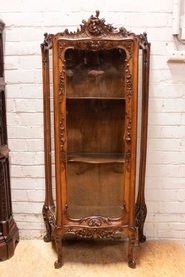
(96, 27)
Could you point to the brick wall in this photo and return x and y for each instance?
(26, 22)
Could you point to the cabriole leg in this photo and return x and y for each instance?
(58, 243)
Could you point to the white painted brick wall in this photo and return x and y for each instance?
(26, 22)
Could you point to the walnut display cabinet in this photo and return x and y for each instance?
(9, 234)
(95, 92)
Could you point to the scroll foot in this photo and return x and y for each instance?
(132, 264)
(47, 238)
(142, 238)
(58, 264)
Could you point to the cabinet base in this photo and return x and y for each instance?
(8, 239)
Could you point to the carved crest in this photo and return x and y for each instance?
(97, 28)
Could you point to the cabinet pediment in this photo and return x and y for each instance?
(96, 29)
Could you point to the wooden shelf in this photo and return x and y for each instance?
(98, 158)
(94, 98)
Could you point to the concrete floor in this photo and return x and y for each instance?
(35, 258)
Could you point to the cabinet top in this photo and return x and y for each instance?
(95, 29)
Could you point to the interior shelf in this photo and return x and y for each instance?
(95, 97)
(96, 158)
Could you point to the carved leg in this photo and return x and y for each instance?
(47, 237)
(141, 212)
(58, 242)
(132, 240)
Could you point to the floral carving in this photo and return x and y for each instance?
(95, 232)
(49, 215)
(62, 81)
(94, 26)
(95, 45)
(62, 118)
(140, 215)
(128, 81)
(47, 43)
(128, 140)
(62, 142)
(143, 41)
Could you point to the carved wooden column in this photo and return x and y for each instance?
(9, 235)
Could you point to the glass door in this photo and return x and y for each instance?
(95, 108)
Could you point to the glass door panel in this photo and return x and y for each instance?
(95, 108)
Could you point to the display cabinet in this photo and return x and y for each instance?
(99, 75)
(9, 235)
